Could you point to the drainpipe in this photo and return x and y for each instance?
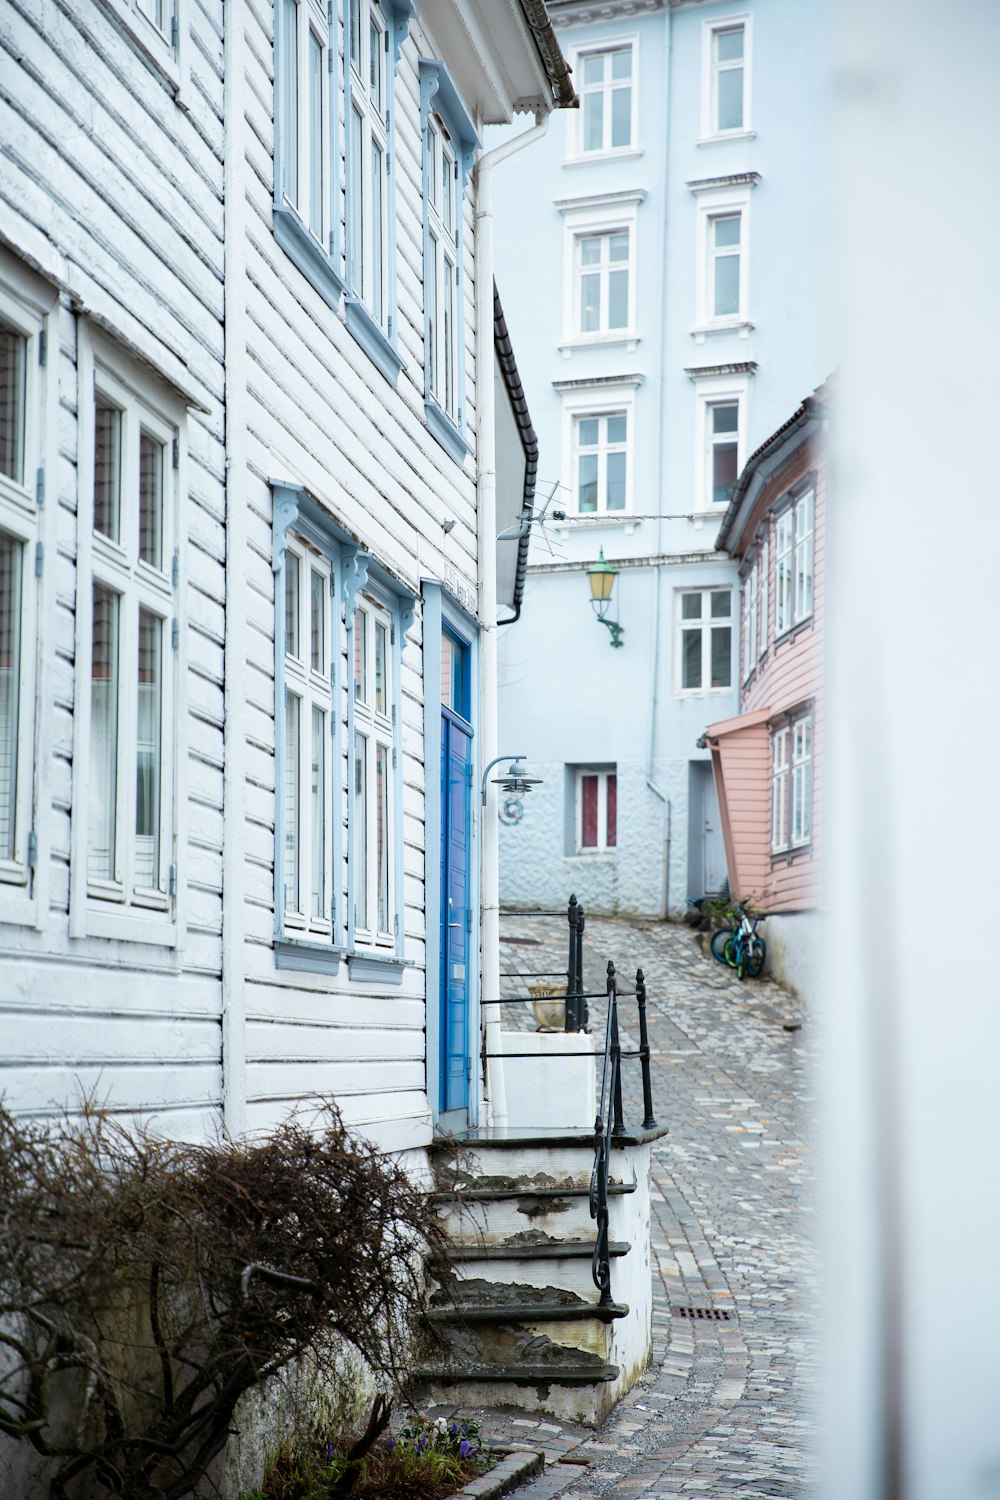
(486, 504)
(234, 1068)
(654, 652)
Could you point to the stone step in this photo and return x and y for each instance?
(527, 1312)
(519, 1374)
(550, 1264)
(488, 1217)
(540, 1249)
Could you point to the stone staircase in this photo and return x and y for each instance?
(517, 1316)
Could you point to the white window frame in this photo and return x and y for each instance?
(604, 268)
(443, 348)
(710, 134)
(24, 306)
(721, 203)
(378, 729)
(792, 750)
(603, 451)
(574, 142)
(599, 401)
(794, 543)
(710, 392)
(313, 145)
(750, 627)
(615, 213)
(780, 773)
(312, 687)
(116, 907)
(704, 624)
(603, 773)
(763, 591)
(369, 282)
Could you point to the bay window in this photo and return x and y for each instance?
(794, 562)
(792, 783)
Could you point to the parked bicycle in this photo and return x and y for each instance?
(741, 946)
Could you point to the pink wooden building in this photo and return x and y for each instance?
(768, 760)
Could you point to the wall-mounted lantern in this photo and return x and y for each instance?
(602, 581)
(515, 781)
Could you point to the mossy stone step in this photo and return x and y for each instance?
(527, 1312)
(520, 1374)
(533, 1250)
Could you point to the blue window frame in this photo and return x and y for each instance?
(449, 143)
(306, 213)
(325, 586)
(374, 32)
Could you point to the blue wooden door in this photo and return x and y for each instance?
(456, 923)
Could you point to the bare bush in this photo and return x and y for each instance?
(146, 1285)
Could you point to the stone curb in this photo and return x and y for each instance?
(511, 1472)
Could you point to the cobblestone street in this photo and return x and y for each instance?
(724, 1409)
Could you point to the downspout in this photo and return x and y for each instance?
(234, 1070)
(486, 506)
(654, 654)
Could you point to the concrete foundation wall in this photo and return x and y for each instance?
(794, 950)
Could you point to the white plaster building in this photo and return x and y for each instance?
(665, 307)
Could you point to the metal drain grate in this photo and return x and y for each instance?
(704, 1314)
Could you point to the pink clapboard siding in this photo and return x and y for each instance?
(787, 678)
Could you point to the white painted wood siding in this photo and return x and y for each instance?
(321, 414)
(113, 189)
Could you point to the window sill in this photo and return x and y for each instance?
(716, 692)
(788, 856)
(17, 906)
(787, 636)
(447, 432)
(133, 929)
(586, 158)
(308, 254)
(627, 341)
(151, 43)
(308, 957)
(372, 339)
(723, 136)
(377, 968)
(740, 326)
(607, 854)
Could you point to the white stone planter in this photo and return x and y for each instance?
(555, 1087)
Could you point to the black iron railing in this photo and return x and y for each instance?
(610, 1113)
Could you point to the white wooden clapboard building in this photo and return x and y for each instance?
(248, 557)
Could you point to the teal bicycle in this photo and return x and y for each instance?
(740, 946)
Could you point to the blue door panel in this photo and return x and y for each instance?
(456, 831)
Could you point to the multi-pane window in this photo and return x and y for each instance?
(133, 635)
(606, 87)
(372, 810)
(308, 743)
(794, 563)
(723, 436)
(369, 65)
(441, 274)
(724, 248)
(750, 584)
(705, 640)
(600, 444)
(596, 810)
(602, 281)
(792, 784)
(728, 46)
(303, 110)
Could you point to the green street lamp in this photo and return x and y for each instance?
(602, 581)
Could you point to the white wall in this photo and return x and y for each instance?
(912, 1116)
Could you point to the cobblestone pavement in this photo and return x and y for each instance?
(724, 1409)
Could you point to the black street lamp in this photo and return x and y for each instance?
(602, 580)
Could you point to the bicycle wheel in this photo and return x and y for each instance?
(729, 951)
(741, 960)
(756, 957)
(719, 941)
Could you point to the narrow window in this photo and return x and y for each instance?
(11, 573)
(107, 469)
(783, 573)
(152, 455)
(725, 231)
(779, 790)
(802, 782)
(104, 689)
(441, 271)
(148, 752)
(373, 807)
(290, 100)
(601, 444)
(13, 365)
(367, 200)
(705, 640)
(597, 810)
(803, 522)
(750, 622)
(727, 67)
(763, 591)
(606, 87)
(603, 281)
(292, 771)
(723, 442)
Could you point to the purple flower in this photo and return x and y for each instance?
(454, 1429)
(421, 1444)
(466, 1449)
(329, 1452)
(391, 1444)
